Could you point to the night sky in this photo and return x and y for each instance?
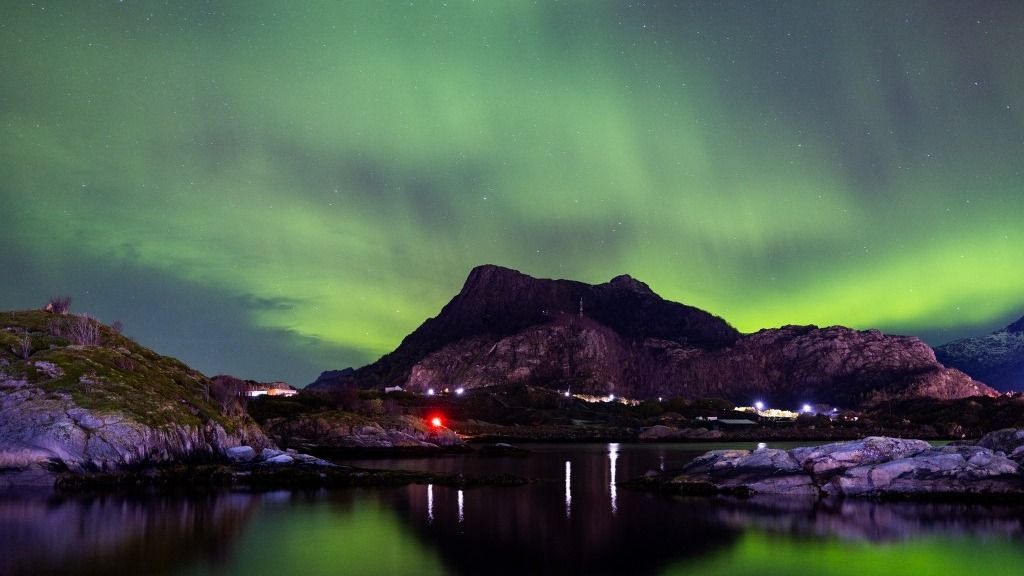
(271, 189)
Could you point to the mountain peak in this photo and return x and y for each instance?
(628, 282)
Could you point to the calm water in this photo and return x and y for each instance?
(572, 520)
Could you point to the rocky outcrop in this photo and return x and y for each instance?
(338, 430)
(621, 338)
(947, 471)
(662, 432)
(996, 359)
(42, 434)
(874, 467)
(73, 409)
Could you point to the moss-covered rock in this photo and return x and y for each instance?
(105, 406)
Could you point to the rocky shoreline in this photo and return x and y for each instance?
(874, 467)
(269, 469)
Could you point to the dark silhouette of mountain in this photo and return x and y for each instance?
(620, 337)
(996, 359)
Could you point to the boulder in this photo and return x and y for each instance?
(1008, 441)
(280, 459)
(837, 457)
(241, 454)
(764, 471)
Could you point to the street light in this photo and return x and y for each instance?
(759, 405)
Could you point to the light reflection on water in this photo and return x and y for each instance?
(568, 489)
(573, 519)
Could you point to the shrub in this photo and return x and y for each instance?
(650, 408)
(58, 305)
(373, 407)
(80, 329)
(229, 393)
(345, 398)
(124, 364)
(23, 347)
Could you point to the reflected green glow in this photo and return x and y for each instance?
(767, 555)
(773, 163)
(315, 538)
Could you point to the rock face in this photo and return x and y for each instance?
(996, 359)
(874, 467)
(72, 408)
(622, 338)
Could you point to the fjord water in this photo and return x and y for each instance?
(572, 519)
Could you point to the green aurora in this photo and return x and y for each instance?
(271, 189)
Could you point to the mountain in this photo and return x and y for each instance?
(996, 359)
(621, 338)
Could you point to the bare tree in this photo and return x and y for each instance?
(80, 329)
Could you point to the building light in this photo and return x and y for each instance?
(566, 393)
(459, 391)
(430, 391)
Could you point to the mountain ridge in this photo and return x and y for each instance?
(620, 337)
(996, 359)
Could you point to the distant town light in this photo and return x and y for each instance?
(430, 391)
(759, 405)
(611, 397)
(436, 422)
(459, 391)
(806, 409)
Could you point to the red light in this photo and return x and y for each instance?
(436, 422)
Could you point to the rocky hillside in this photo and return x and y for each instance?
(506, 327)
(76, 395)
(996, 359)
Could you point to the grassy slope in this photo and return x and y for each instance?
(119, 376)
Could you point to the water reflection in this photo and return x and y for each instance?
(568, 489)
(573, 519)
(111, 535)
(430, 502)
(461, 507)
(613, 490)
